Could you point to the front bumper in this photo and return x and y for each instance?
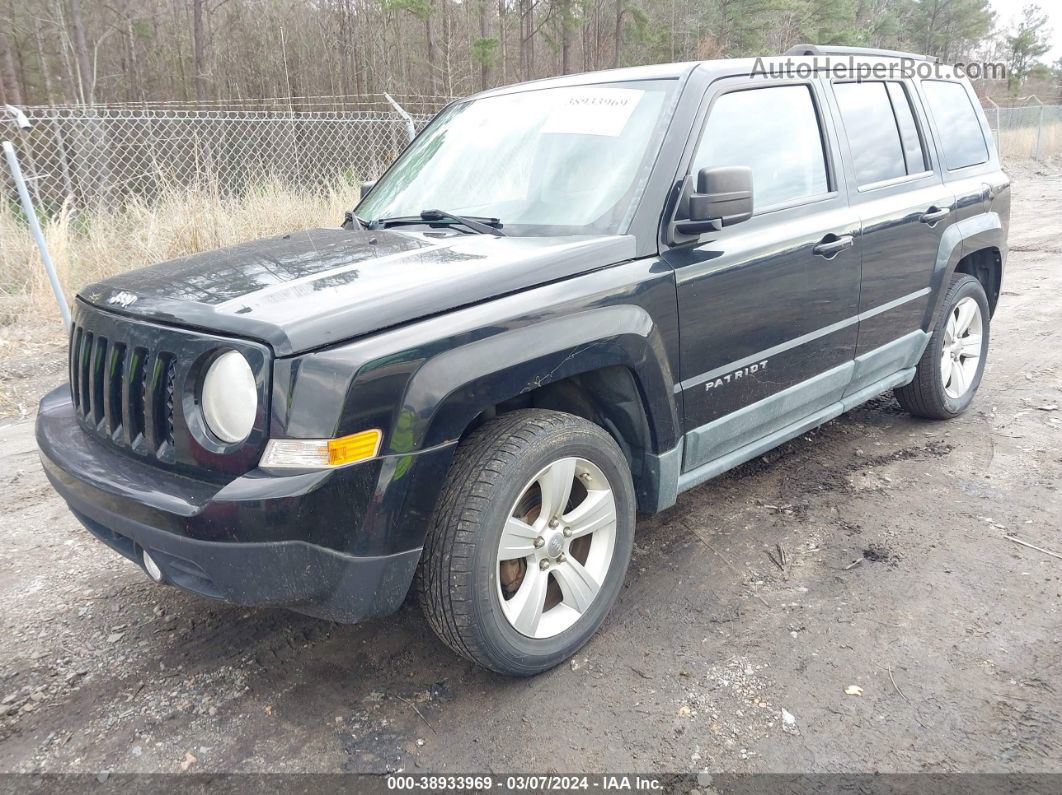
(303, 541)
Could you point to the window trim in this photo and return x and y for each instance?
(827, 155)
(922, 147)
(980, 128)
(893, 181)
(922, 139)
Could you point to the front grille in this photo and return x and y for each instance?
(123, 391)
(132, 381)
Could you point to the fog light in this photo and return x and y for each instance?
(151, 567)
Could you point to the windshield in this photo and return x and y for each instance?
(555, 161)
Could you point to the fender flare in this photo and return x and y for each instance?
(452, 388)
(960, 239)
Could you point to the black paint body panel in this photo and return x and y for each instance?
(319, 287)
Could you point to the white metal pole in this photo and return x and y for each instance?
(35, 227)
(411, 128)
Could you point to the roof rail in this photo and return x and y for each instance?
(817, 49)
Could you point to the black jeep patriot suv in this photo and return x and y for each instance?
(566, 301)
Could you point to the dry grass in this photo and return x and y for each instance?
(1020, 143)
(88, 246)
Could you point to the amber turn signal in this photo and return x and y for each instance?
(356, 447)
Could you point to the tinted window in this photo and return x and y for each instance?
(872, 132)
(960, 131)
(774, 131)
(912, 144)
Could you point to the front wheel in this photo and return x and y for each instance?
(950, 370)
(530, 542)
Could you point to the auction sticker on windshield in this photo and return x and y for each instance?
(593, 110)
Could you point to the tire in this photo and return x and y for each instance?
(471, 598)
(939, 391)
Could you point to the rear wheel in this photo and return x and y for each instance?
(950, 370)
(530, 542)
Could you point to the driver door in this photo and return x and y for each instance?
(768, 307)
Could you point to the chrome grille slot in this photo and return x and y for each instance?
(112, 397)
(75, 366)
(133, 396)
(157, 391)
(84, 359)
(99, 380)
(168, 399)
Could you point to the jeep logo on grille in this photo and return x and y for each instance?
(123, 299)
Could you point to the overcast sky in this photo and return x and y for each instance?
(1010, 10)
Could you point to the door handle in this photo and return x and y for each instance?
(933, 214)
(831, 245)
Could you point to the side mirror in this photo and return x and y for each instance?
(723, 198)
(366, 188)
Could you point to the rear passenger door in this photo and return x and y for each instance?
(767, 307)
(904, 208)
(967, 165)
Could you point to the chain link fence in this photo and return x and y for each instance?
(1031, 132)
(100, 156)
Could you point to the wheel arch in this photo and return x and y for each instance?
(985, 265)
(976, 245)
(608, 365)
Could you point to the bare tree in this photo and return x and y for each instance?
(208, 50)
(199, 49)
(9, 82)
(86, 74)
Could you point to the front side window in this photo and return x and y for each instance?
(960, 129)
(774, 131)
(565, 161)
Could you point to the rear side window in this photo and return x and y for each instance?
(775, 132)
(884, 141)
(962, 140)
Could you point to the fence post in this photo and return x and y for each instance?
(411, 128)
(35, 227)
(1039, 136)
(64, 163)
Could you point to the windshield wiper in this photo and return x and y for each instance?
(351, 221)
(478, 224)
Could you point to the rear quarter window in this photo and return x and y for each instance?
(961, 137)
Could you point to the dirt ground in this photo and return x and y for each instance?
(849, 602)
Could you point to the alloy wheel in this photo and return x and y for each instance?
(556, 548)
(962, 347)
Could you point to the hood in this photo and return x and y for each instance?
(321, 286)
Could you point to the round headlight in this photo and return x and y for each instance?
(230, 397)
